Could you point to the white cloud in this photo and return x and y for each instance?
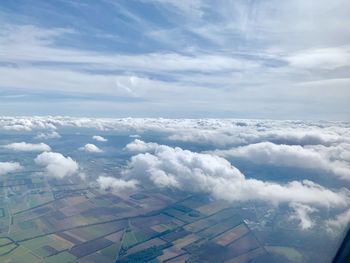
(212, 132)
(309, 157)
(339, 223)
(140, 146)
(9, 167)
(28, 147)
(91, 148)
(57, 165)
(116, 184)
(186, 170)
(134, 136)
(326, 58)
(99, 138)
(302, 214)
(48, 135)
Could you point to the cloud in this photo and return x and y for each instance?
(134, 136)
(211, 132)
(118, 185)
(339, 223)
(48, 135)
(193, 73)
(302, 214)
(57, 165)
(207, 173)
(28, 147)
(99, 138)
(9, 167)
(91, 148)
(308, 157)
(140, 146)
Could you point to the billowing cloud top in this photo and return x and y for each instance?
(140, 146)
(99, 138)
(28, 147)
(329, 159)
(57, 165)
(91, 148)
(9, 167)
(183, 169)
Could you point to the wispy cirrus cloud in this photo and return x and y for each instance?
(190, 51)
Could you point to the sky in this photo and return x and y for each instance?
(267, 59)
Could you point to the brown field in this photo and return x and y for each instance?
(198, 225)
(231, 235)
(212, 207)
(115, 237)
(244, 244)
(169, 253)
(182, 242)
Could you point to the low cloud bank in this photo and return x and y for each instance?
(213, 132)
(57, 165)
(28, 147)
(333, 159)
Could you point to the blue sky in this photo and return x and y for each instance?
(166, 58)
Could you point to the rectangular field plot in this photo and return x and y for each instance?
(229, 236)
(90, 247)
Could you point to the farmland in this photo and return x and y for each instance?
(70, 222)
(43, 219)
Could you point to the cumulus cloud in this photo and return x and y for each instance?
(207, 173)
(57, 165)
(91, 148)
(302, 214)
(48, 135)
(99, 138)
(28, 147)
(9, 167)
(140, 146)
(116, 184)
(309, 157)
